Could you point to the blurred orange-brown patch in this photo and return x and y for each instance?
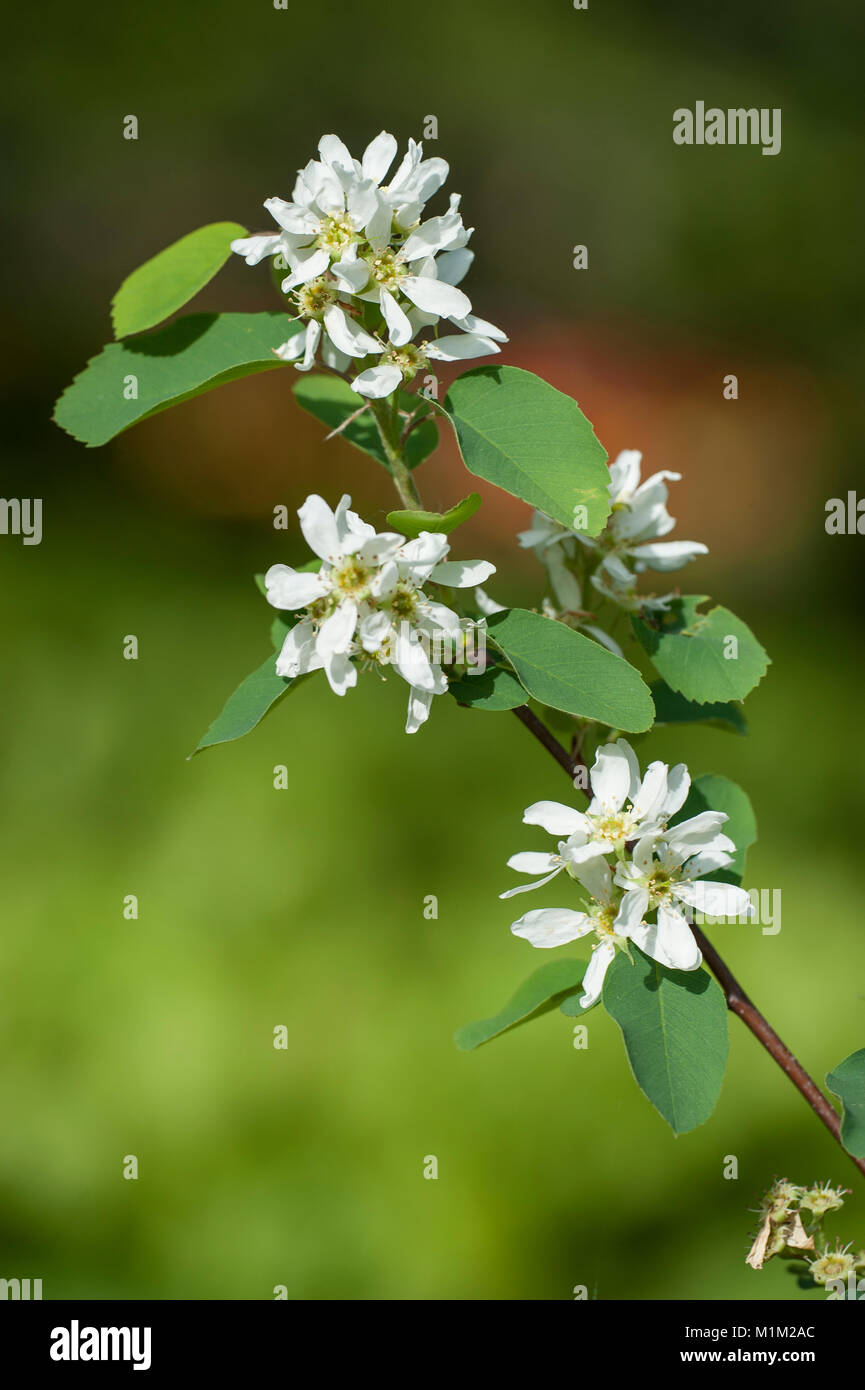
(747, 470)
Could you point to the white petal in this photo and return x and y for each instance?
(458, 347)
(472, 324)
(298, 654)
(551, 926)
(379, 156)
(486, 605)
(377, 382)
(362, 202)
(310, 343)
(429, 178)
(398, 327)
(564, 582)
(529, 887)
(293, 349)
(625, 475)
(336, 632)
(593, 980)
(346, 334)
(318, 524)
(435, 297)
(695, 833)
(715, 899)
(436, 234)
(293, 218)
(378, 227)
(555, 818)
(632, 910)
(708, 861)
(351, 274)
(288, 588)
(425, 551)
(308, 268)
(653, 789)
(596, 878)
(419, 702)
(332, 357)
(373, 630)
(668, 555)
(341, 675)
(672, 942)
(532, 862)
(644, 854)
(453, 266)
(611, 776)
(255, 248)
(410, 659)
(462, 574)
(678, 786)
(334, 152)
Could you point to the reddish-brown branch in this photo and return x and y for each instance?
(738, 1001)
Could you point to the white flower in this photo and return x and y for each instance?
(398, 364)
(664, 873)
(640, 517)
(629, 544)
(661, 877)
(367, 603)
(623, 807)
(350, 241)
(613, 919)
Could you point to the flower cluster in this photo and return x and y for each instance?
(366, 274)
(790, 1226)
(629, 544)
(366, 604)
(633, 865)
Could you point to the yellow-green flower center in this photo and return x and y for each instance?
(336, 234)
(352, 577)
(312, 299)
(386, 270)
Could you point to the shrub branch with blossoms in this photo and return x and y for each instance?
(370, 298)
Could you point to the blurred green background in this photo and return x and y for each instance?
(304, 907)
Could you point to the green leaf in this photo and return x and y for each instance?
(673, 708)
(332, 401)
(570, 672)
(674, 1024)
(190, 356)
(847, 1082)
(694, 653)
(492, 689)
(165, 283)
(252, 700)
(412, 523)
(522, 434)
(714, 793)
(543, 991)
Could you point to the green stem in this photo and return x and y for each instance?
(387, 422)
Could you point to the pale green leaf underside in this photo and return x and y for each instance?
(523, 435)
(170, 279)
(570, 672)
(847, 1082)
(694, 652)
(192, 355)
(674, 1024)
(544, 990)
